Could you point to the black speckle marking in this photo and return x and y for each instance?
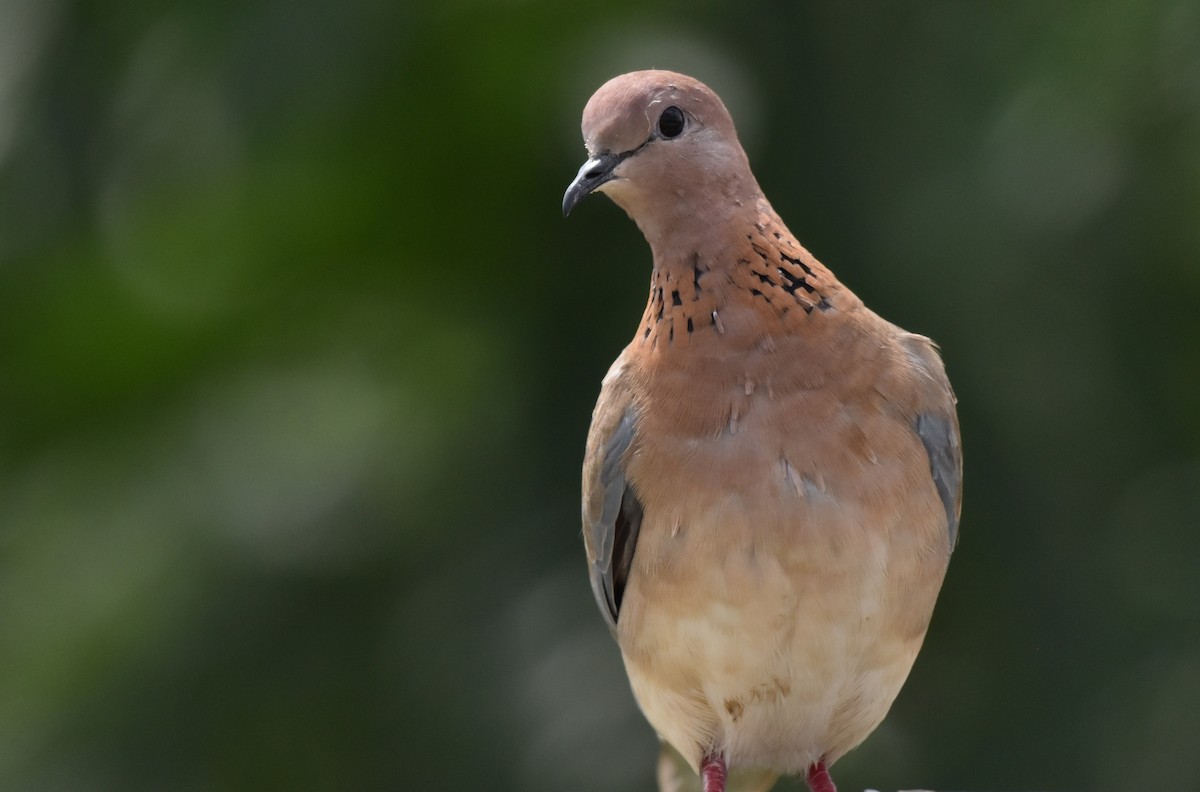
(696, 273)
(671, 333)
(778, 235)
(646, 334)
(761, 251)
(658, 300)
(763, 277)
(758, 293)
(690, 327)
(791, 283)
(824, 304)
(798, 262)
(675, 298)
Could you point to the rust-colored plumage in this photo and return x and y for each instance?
(772, 478)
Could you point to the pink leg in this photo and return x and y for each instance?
(712, 771)
(819, 780)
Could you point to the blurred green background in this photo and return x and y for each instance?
(297, 356)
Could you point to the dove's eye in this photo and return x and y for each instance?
(670, 123)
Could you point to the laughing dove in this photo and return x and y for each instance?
(773, 473)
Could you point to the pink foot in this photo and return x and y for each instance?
(818, 779)
(712, 771)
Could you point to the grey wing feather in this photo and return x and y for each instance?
(939, 435)
(938, 428)
(613, 535)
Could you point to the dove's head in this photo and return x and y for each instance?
(663, 147)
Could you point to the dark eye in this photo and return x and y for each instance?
(670, 123)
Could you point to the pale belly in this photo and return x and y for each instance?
(737, 641)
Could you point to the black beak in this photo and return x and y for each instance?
(596, 171)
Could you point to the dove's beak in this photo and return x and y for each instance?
(595, 172)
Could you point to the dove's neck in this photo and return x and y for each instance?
(698, 216)
(739, 275)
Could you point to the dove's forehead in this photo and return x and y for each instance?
(622, 113)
